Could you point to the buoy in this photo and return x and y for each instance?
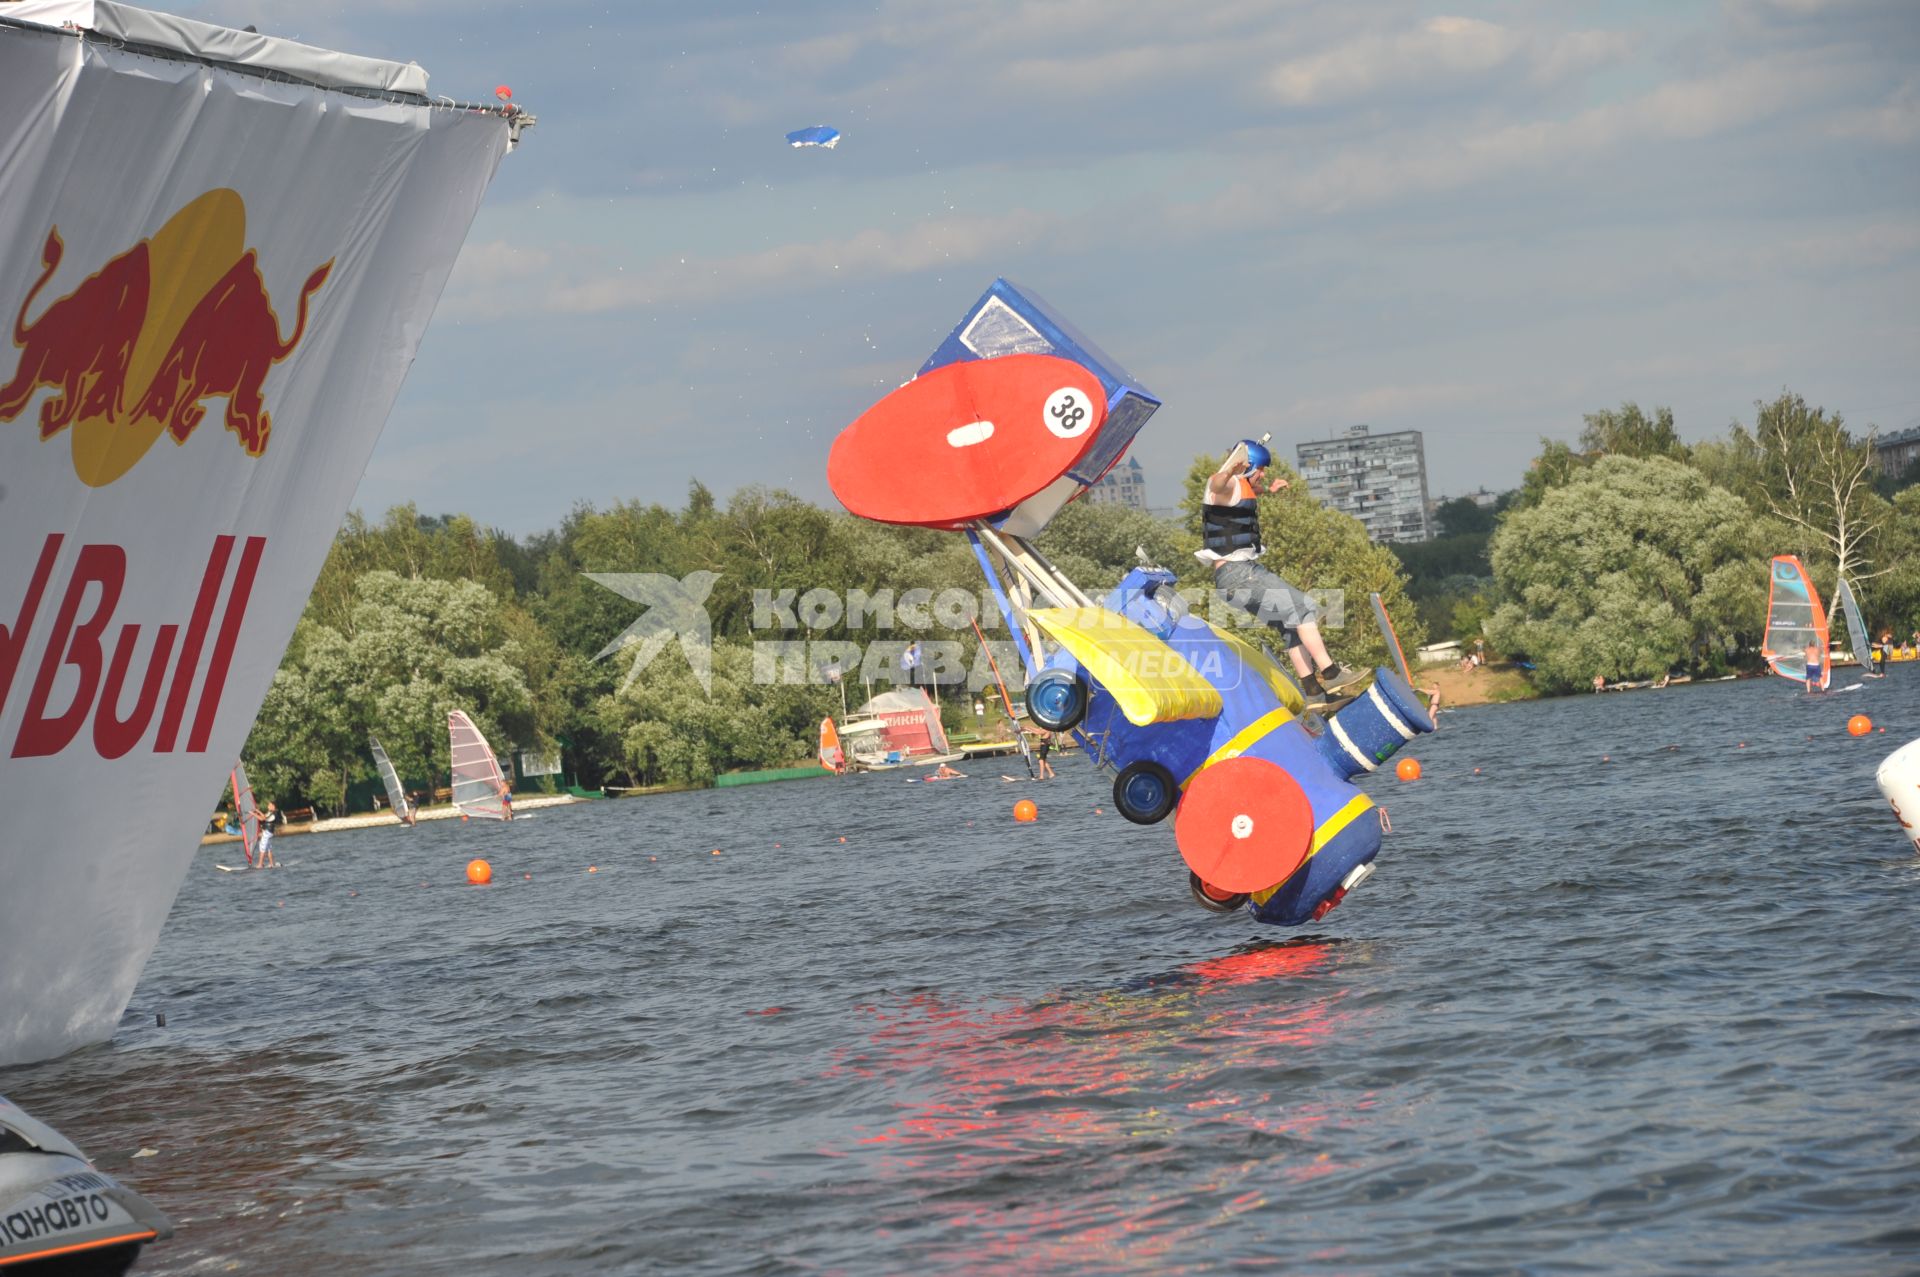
(1025, 810)
(1476, 771)
(1859, 725)
(1407, 769)
(479, 872)
(528, 877)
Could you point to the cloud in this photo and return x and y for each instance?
(1440, 54)
(1440, 48)
(1895, 122)
(1427, 161)
(869, 253)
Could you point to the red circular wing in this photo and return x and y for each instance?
(967, 441)
(1244, 825)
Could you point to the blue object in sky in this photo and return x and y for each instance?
(816, 135)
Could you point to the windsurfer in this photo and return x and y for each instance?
(270, 821)
(506, 799)
(1230, 542)
(944, 772)
(1813, 667)
(1043, 747)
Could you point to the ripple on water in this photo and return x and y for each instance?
(1649, 1015)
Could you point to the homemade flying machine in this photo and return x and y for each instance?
(1014, 415)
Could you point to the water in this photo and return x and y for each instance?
(1648, 1015)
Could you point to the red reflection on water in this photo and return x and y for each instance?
(1080, 1098)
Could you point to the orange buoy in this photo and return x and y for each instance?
(1859, 725)
(1025, 810)
(1407, 769)
(479, 872)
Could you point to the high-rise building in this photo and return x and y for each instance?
(1380, 480)
(1125, 484)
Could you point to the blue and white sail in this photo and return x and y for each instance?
(823, 135)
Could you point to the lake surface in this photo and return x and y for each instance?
(1629, 999)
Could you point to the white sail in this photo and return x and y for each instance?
(396, 796)
(246, 813)
(219, 251)
(479, 788)
(1848, 606)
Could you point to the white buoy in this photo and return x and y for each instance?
(1899, 780)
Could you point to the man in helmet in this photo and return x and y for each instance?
(1230, 541)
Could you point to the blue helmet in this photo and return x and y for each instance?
(1257, 455)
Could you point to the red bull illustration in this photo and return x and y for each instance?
(138, 346)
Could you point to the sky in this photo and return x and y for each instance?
(1475, 220)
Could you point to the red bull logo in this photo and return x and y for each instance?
(85, 670)
(138, 346)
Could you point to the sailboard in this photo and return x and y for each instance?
(396, 796)
(1795, 619)
(1845, 604)
(832, 757)
(479, 787)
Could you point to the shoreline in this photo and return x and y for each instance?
(367, 820)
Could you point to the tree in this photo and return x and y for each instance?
(1094, 543)
(1555, 467)
(1629, 432)
(1820, 480)
(412, 650)
(1463, 516)
(1630, 569)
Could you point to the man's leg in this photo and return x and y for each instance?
(1276, 602)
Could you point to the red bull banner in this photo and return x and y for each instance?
(212, 283)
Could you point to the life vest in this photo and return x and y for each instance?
(1226, 528)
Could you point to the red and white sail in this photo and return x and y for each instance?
(246, 813)
(479, 787)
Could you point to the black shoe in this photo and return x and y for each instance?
(1337, 676)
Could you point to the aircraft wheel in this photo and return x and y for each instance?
(1145, 792)
(1056, 700)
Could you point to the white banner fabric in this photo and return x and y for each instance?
(214, 285)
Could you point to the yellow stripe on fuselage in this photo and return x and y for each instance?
(1329, 829)
(1243, 740)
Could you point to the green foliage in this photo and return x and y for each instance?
(1631, 568)
(665, 728)
(1629, 432)
(1555, 467)
(407, 652)
(1463, 516)
(1094, 544)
